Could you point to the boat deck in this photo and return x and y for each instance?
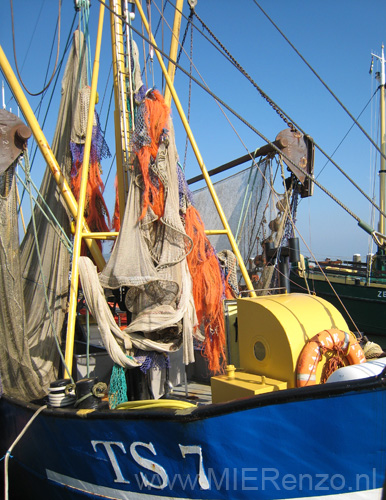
(101, 364)
(194, 392)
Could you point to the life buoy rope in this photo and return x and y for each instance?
(342, 344)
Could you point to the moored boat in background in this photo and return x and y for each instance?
(356, 288)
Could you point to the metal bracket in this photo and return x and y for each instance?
(13, 138)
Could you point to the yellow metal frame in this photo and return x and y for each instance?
(121, 118)
(197, 153)
(382, 176)
(82, 202)
(174, 49)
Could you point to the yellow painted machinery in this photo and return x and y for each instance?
(272, 331)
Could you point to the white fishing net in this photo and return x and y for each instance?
(149, 259)
(250, 206)
(244, 198)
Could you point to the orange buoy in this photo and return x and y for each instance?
(344, 345)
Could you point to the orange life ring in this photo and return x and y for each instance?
(327, 340)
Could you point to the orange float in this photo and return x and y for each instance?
(342, 344)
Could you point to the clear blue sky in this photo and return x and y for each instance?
(335, 36)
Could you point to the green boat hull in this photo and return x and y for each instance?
(365, 303)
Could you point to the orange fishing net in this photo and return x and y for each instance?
(208, 290)
(145, 143)
(96, 212)
(116, 216)
(156, 116)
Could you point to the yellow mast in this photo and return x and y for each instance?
(121, 115)
(382, 173)
(197, 153)
(82, 201)
(173, 49)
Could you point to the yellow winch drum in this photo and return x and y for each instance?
(274, 329)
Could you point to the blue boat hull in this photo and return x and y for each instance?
(312, 442)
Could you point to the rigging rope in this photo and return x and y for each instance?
(247, 200)
(185, 34)
(151, 48)
(282, 115)
(53, 220)
(108, 115)
(103, 98)
(145, 39)
(321, 80)
(30, 40)
(57, 51)
(255, 218)
(238, 66)
(190, 81)
(375, 119)
(84, 15)
(9, 451)
(291, 123)
(292, 222)
(130, 63)
(348, 131)
(67, 47)
(35, 232)
(182, 43)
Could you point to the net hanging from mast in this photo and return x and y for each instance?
(29, 358)
(96, 212)
(151, 257)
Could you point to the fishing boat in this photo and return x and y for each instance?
(357, 288)
(158, 374)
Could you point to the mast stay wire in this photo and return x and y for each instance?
(104, 93)
(30, 42)
(320, 268)
(29, 46)
(57, 51)
(192, 78)
(348, 131)
(291, 123)
(38, 108)
(151, 48)
(190, 95)
(321, 80)
(375, 126)
(67, 46)
(188, 25)
(257, 132)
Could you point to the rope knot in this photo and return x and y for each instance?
(336, 360)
